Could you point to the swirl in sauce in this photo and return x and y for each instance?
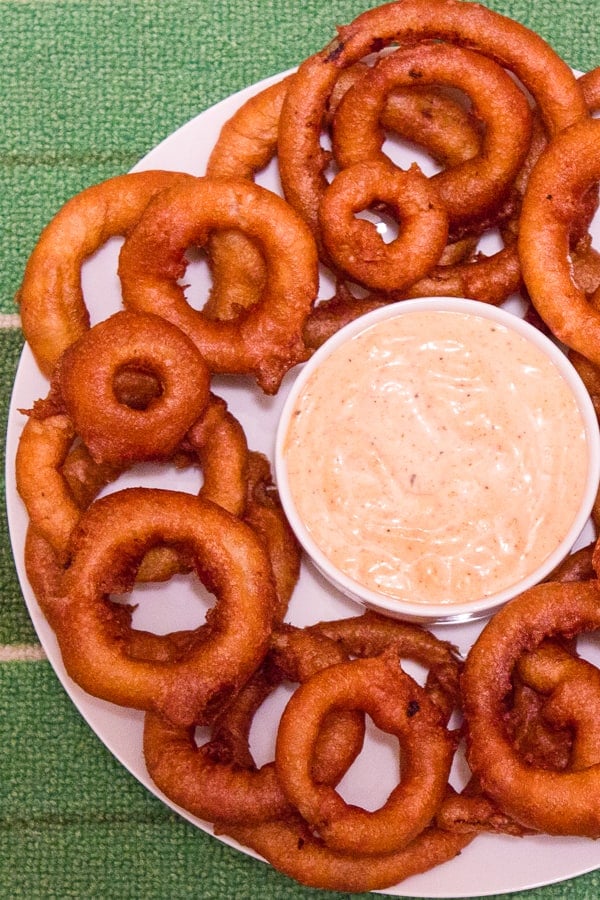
(437, 457)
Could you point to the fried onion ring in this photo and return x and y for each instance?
(117, 433)
(565, 171)
(355, 245)
(292, 848)
(109, 541)
(51, 302)
(264, 340)
(397, 705)
(556, 802)
(246, 144)
(571, 689)
(219, 779)
(475, 187)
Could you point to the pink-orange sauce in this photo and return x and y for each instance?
(437, 457)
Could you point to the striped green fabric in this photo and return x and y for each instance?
(87, 87)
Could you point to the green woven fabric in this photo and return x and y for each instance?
(86, 89)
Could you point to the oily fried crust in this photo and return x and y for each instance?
(265, 340)
(561, 801)
(219, 779)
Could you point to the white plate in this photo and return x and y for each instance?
(491, 864)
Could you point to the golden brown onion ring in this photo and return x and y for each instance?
(291, 847)
(110, 539)
(355, 245)
(557, 802)
(117, 433)
(246, 144)
(565, 171)
(51, 302)
(265, 340)
(397, 705)
(219, 779)
(475, 187)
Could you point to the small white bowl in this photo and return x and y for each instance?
(454, 611)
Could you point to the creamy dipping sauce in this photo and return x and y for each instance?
(437, 457)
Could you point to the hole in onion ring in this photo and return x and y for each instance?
(385, 224)
(100, 282)
(196, 280)
(374, 767)
(135, 387)
(396, 149)
(186, 599)
(185, 478)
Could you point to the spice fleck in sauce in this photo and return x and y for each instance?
(437, 457)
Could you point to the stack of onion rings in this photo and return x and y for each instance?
(219, 780)
(531, 704)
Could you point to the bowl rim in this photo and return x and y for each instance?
(451, 612)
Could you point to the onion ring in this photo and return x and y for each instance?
(42, 449)
(563, 174)
(291, 847)
(110, 539)
(355, 245)
(556, 802)
(219, 779)
(51, 302)
(114, 432)
(476, 187)
(265, 340)
(398, 705)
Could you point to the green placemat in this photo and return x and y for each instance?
(86, 89)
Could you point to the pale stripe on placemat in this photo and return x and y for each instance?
(21, 653)
(10, 320)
